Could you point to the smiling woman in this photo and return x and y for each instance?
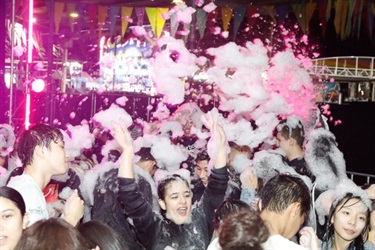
(349, 222)
(13, 217)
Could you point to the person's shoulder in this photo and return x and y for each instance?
(277, 241)
(20, 181)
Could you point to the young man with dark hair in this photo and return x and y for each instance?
(285, 204)
(41, 150)
(290, 136)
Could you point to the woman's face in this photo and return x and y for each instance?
(349, 220)
(11, 224)
(177, 202)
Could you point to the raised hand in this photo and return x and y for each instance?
(73, 209)
(123, 137)
(216, 146)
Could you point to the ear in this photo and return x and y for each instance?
(296, 209)
(291, 141)
(162, 204)
(39, 151)
(25, 220)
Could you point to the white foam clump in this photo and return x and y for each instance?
(268, 164)
(122, 101)
(168, 72)
(80, 138)
(7, 137)
(209, 7)
(139, 31)
(113, 113)
(182, 12)
(161, 112)
(167, 155)
(240, 163)
(324, 160)
(161, 174)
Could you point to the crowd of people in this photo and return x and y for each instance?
(290, 195)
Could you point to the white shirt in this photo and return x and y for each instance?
(277, 242)
(32, 195)
(214, 245)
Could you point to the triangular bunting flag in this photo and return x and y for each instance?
(300, 12)
(239, 14)
(92, 11)
(140, 12)
(282, 12)
(322, 6)
(251, 15)
(226, 16)
(102, 15)
(349, 22)
(155, 17)
(310, 8)
(114, 12)
(59, 10)
(270, 11)
(201, 21)
(71, 7)
(174, 25)
(126, 13)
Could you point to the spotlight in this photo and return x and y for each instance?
(38, 85)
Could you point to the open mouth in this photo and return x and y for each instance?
(182, 211)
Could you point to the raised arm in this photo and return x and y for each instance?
(217, 143)
(123, 137)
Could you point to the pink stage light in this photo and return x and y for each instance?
(38, 85)
(27, 112)
(30, 33)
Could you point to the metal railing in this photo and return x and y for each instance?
(352, 67)
(354, 176)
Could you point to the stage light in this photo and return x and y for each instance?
(38, 85)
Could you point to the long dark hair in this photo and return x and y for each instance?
(15, 197)
(358, 242)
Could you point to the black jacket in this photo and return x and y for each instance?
(156, 232)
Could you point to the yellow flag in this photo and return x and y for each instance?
(226, 16)
(59, 10)
(125, 13)
(155, 17)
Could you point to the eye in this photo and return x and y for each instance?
(7, 216)
(362, 218)
(174, 197)
(187, 195)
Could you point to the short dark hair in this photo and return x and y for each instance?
(164, 184)
(100, 234)
(358, 242)
(297, 132)
(51, 234)
(145, 154)
(37, 135)
(244, 230)
(226, 208)
(202, 156)
(15, 197)
(282, 190)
